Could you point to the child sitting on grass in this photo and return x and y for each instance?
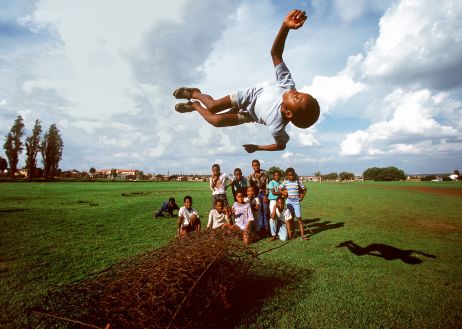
(295, 191)
(272, 105)
(243, 218)
(280, 217)
(219, 217)
(168, 206)
(188, 218)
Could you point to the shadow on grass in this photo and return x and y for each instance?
(10, 210)
(385, 251)
(315, 226)
(267, 289)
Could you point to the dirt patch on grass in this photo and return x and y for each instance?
(429, 224)
(423, 189)
(439, 226)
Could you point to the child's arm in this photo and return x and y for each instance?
(180, 222)
(250, 148)
(293, 21)
(210, 222)
(302, 195)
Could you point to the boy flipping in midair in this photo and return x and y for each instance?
(273, 106)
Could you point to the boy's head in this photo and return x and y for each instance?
(250, 191)
(280, 202)
(240, 196)
(171, 200)
(216, 169)
(277, 175)
(300, 108)
(290, 174)
(238, 173)
(256, 165)
(187, 201)
(219, 205)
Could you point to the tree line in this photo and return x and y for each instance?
(50, 146)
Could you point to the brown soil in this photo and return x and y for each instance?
(424, 189)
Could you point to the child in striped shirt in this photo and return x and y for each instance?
(295, 190)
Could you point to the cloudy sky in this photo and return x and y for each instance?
(387, 74)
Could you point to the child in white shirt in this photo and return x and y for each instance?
(280, 219)
(219, 217)
(188, 218)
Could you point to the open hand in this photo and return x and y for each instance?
(295, 19)
(250, 148)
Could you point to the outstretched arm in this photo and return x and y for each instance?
(250, 148)
(294, 20)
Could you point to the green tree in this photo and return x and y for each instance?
(330, 176)
(346, 176)
(52, 151)
(92, 172)
(3, 165)
(32, 149)
(13, 144)
(383, 174)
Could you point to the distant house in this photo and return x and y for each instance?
(122, 173)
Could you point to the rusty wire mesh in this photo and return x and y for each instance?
(177, 286)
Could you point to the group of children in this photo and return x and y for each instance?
(261, 207)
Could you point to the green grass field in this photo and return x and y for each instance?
(56, 233)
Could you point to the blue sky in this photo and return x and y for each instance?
(386, 73)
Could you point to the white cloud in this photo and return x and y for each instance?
(330, 91)
(413, 119)
(350, 10)
(91, 65)
(420, 42)
(307, 138)
(105, 72)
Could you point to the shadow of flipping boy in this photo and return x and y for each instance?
(385, 251)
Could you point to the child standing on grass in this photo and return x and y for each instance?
(219, 217)
(272, 105)
(243, 217)
(280, 218)
(218, 185)
(253, 201)
(259, 179)
(273, 190)
(239, 182)
(188, 218)
(295, 193)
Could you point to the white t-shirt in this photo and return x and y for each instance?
(283, 215)
(255, 202)
(186, 214)
(217, 220)
(220, 187)
(263, 102)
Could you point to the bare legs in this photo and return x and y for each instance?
(214, 106)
